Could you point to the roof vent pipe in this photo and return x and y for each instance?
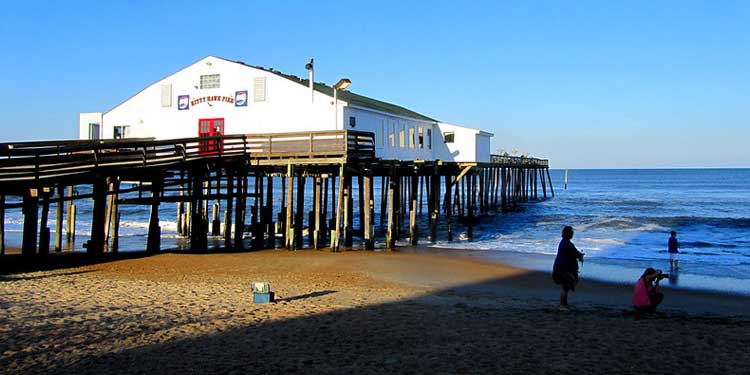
(311, 79)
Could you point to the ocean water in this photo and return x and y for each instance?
(622, 220)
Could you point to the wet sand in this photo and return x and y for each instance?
(352, 312)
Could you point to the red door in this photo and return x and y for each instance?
(210, 127)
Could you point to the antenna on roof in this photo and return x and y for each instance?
(311, 76)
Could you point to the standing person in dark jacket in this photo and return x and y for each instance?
(672, 246)
(565, 270)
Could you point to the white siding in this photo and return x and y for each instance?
(469, 145)
(370, 120)
(286, 106)
(84, 119)
(274, 104)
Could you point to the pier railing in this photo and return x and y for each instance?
(519, 161)
(24, 162)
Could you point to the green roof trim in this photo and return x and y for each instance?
(347, 96)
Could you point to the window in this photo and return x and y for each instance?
(449, 137)
(411, 137)
(121, 131)
(352, 121)
(210, 81)
(259, 89)
(402, 138)
(421, 137)
(381, 133)
(392, 134)
(429, 139)
(93, 130)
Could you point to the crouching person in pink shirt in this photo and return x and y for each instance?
(647, 295)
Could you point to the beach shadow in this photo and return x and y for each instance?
(486, 327)
(24, 278)
(12, 264)
(306, 296)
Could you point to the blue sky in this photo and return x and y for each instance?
(587, 84)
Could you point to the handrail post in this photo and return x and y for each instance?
(346, 143)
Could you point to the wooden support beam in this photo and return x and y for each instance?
(348, 211)
(96, 244)
(503, 189)
(482, 191)
(470, 205)
(317, 214)
(43, 228)
(549, 179)
(230, 209)
(367, 223)
(390, 239)
(116, 233)
(413, 235)
(153, 242)
(70, 225)
(30, 216)
(113, 228)
(108, 212)
(420, 190)
(58, 219)
(463, 173)
(215, 221)
(199, 224)
(240, 208)
(339, 210)
(435, 199)
(270, 228)
(361, 202)
(449, 206)
(2, 224)
(324, 211)
(289, 231)
(299, 216)
(256, 222)
(181, 205)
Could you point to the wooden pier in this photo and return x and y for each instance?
(320, 176)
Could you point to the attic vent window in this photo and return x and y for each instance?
(259, 89)
(210, 81)
(449, 137)
(166, 95)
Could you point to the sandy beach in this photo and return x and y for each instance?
(351, 312)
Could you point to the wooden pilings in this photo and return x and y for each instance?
(199, 224)
(58, 218)
(153, 243)
(2, 224)
(97, 242)
(411, 197)
(368, 222)
(30, 216)
(240, 208)
(288, 230)
(390, 237)
(335, 244)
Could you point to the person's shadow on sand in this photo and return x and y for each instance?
(305, 296)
